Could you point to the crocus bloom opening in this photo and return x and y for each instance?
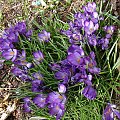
(62, 88)
(62, 75)
(38, 56)
(91, 7)
(21, 27)
(89, 92)
(10, 54)
(37, 75)
(57, 109)
(55, 97)
(40, 100)
(44, 36)
(37, 85)
(26, 105)
(21, 60)
(110, 112)
(28, 33)
(75, 59)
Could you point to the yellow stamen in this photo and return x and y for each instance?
(11, 53)
(78, 60)
(90, 65)
(61, 97)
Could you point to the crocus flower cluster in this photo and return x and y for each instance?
(84, 28)
(9, 38)
(55, 101)
(77, 68)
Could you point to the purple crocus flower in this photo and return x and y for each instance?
(28, 33)
(55, 97)
(90, 7)
(91, 64)
(38, 56)
(75, 38)
(16, 71)
(21, 27)
(37, 75)
(5, 45)
(75, 59)
(109, 29)
(20, 73)
(26, 108)
(10, 54)
(89, 92)
(44, 36)
(83, 77)
(26, 105)
(104, 42)
(40, 100)
(110, 112)
(95, 17)
(55, 67)
(57, 109)
(92, 39)
(89, 27)
(62, 75)
(75, 48)
(37, 85)
(11, 35)
(21, 60)
(61, 88)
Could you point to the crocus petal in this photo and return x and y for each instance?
(89, 92)
(117, 113)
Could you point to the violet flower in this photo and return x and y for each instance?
(61, 88)
(75, 38)
(75, 59)
(40, 100)
(91, 63)
(56, 104)
(55, 67)
(75, 48)
(38, 56)
(37, 85)
(11, 34)
(16, 71)
(89, 92)
(22, 74)
(5, 45)
(110, 112)
(10, 54)
(21, 60)
(44, 36)
(21, 27)
(28, 33)
(26, 105)
(90, 7)
(55, 97)
(82, 77)
(92, 39)
(104, 42)
(37, 75)
(62, 75)
(57, 109)
(109, 29)
(89, 27)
